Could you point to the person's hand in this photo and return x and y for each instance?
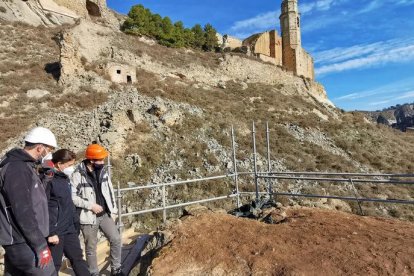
(97, 208)
(43, 258)
(53, 239)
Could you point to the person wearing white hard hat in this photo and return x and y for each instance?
(25, 207)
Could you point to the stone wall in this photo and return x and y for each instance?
(289, 59)
(304, 64)
(122, 73)
(231, 42)
(267, 46)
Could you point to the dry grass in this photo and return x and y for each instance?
(175, 57)
(380, 148)
(27, 53)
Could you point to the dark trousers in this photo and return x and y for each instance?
(20, 261)
(69, 245)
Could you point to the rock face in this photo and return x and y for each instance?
(92, 43)
(54, 12)
(400, 116)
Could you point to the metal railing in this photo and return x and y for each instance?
(271, 179)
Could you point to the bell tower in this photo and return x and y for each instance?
(290, 24)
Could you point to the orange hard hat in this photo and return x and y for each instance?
(95, 151)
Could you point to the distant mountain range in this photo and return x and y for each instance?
(399, 116)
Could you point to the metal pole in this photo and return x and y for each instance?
(120, 224)
(164, 210)
(109, 167)
(255, 162)
(268, 161)
(356, 196)
(236, 177)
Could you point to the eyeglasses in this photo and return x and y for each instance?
(48, 148)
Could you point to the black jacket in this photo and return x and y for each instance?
(62, 211)
(24, 193)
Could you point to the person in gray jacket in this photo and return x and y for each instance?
(93, 193)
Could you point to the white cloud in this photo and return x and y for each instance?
(406, 95)
(319, 5)
(270, 20)
(373, 5)
(380, 103)
(376, 4)
(402, 89)
(364, 56)
(259, 22)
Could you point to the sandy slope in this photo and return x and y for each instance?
(309, 242)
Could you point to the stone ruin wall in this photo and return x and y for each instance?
(289, 59)
(231, 42)
(299, 61)
(267, 46)
(276, 50)
(304, 64)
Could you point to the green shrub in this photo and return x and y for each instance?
(142, 21)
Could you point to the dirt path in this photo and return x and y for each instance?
(310, 242)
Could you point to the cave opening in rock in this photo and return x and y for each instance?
(93, 9)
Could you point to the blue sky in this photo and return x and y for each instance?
(363, 50)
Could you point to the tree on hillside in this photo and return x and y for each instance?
(156, 26)
(138, 21)
(166, 37)
(188, 38)
(210, 34)
(141, 21)
(178, 35)
(199, 36)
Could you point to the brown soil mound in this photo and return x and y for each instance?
(309, 242)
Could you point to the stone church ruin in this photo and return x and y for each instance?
(284, 51)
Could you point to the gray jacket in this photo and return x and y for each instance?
(83, 193)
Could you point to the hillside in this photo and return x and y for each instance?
(174, 121)
(307, 242)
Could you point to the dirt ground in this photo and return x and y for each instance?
(308, 242)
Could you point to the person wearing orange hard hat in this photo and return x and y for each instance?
(93, 193)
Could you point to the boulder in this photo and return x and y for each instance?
(158, 108)
(221, 84)
(37, 93)
(273, 215)
(110, 138)
(135, 116)
(134, 161)
(171, 118)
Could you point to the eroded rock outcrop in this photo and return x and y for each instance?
(56, 12)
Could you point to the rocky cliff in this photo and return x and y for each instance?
(55, 12)
(400, 117)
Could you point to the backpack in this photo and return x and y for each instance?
(6, 230)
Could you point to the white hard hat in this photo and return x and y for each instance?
(41, 135)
